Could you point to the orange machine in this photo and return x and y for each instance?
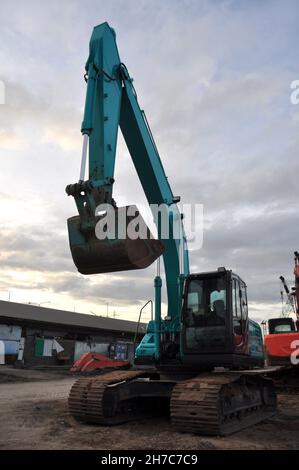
(92, 362)
(282, 341)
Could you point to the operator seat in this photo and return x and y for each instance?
(219, 312)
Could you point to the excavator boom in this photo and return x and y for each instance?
(111, 102)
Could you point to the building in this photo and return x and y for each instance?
(37, 336)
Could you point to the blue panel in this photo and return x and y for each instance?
(10, 332)
(11, 347)
(256, 348)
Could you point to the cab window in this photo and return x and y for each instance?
(236, 300)
(244, 302)
(206, 302)
(236, 307)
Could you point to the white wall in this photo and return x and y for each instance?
(81, 348)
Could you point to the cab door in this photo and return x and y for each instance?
(240, 316)
(206, 323)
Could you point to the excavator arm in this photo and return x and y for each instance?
(111, 102)
(145, 156)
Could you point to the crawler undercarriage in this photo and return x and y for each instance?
(218, 403)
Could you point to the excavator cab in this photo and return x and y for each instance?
(280, 341)
(127, 244)
(216, 330)
(281, 325)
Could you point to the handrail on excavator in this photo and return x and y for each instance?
(138, 323)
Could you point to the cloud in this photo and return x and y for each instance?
(9, 140)
(28, 119)
(30, 248)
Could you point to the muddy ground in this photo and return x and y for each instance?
(34, 415)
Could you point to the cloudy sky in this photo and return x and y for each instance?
(214, 78)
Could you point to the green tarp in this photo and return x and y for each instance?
(39, 347)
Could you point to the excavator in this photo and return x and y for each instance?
(203, 362)
(281, 343)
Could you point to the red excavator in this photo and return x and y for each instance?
(282, 341)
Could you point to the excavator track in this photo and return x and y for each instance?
(221, 404)
(210, 404)
(94, 400)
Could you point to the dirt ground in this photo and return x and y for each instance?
(34, 415)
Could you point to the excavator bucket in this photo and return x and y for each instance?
(92, 255)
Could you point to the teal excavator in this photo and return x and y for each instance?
(202, 363)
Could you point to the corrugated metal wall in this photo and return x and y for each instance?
(32, 352)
